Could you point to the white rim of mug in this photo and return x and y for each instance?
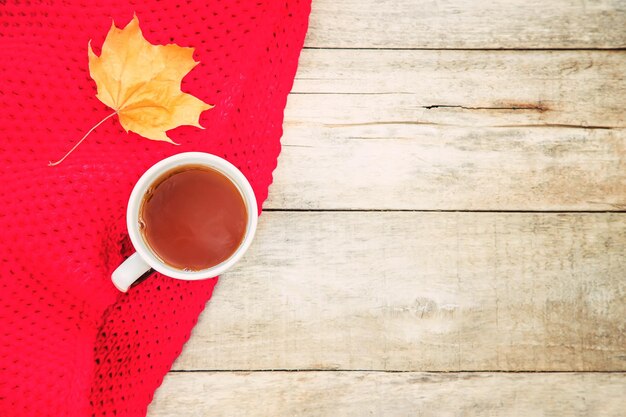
(152, 174)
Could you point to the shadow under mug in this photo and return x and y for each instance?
(143, 260)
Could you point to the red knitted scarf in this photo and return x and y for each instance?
(70, 343)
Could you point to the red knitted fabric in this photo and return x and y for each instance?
(70, 343)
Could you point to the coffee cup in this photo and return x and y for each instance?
(185, 236)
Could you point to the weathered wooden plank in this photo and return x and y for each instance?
(467, 24)
(313, 394)
(370, 138)
(406, 166)
(475, 88)
(418, 291)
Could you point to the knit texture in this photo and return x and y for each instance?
(70, 343)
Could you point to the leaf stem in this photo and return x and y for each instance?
(51, 164)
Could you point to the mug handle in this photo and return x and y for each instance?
(129, 271)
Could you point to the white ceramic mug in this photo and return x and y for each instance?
(144, 259)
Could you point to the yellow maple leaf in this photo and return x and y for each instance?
(141, 82)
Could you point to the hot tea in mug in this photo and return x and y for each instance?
(193, 217)
(190, 216)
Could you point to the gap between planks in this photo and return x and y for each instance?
(488, 371)
(347, 210)
(617, 49)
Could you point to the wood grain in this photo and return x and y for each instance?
(418, 291)
(414, 167)
(461, 88)
(467, 24)
(442, 130)
(322, 394)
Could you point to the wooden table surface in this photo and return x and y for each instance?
(446, 234)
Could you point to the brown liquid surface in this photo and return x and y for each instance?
(193, 218)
